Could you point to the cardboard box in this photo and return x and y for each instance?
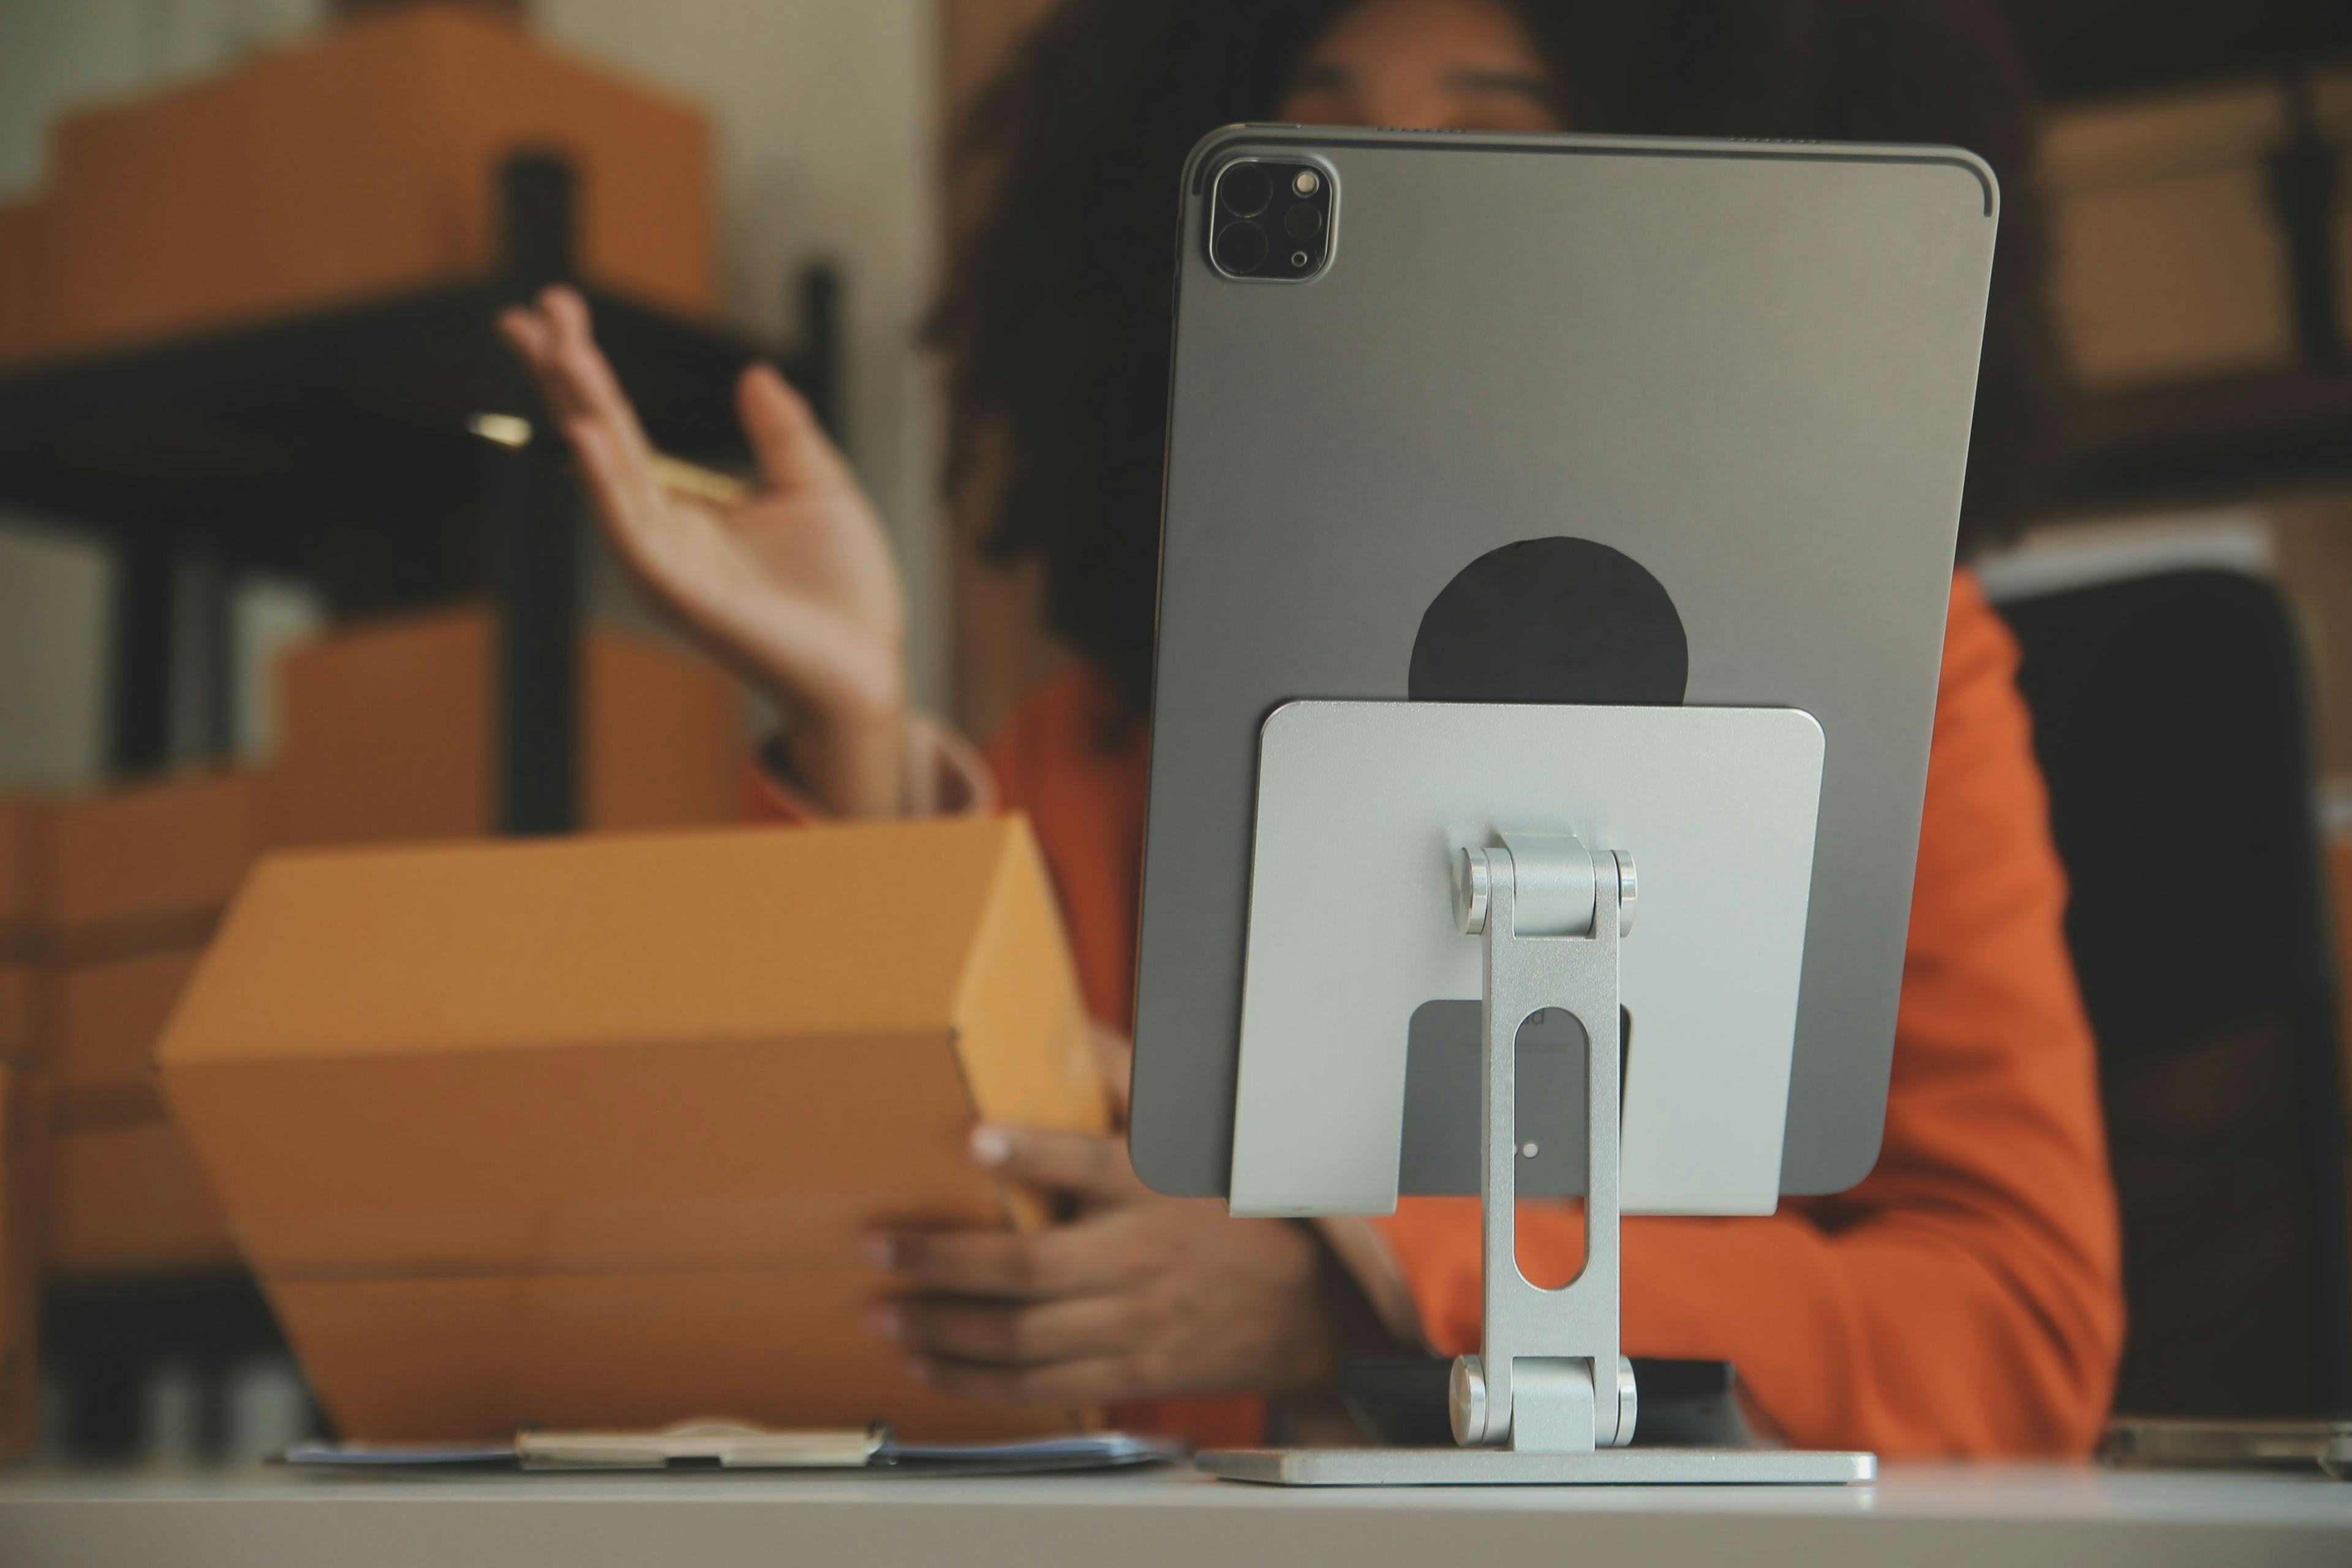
(583, 1132)
(661, 737)
(145, 866)
(2171, 261)
(127, 1199)
(21, 822)
(20, 1028)
(19, 931)
(24, 235)
(391, 735)
(101, 1020)
(23, 1125)
(360, 163)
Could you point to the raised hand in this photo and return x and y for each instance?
(797, 589)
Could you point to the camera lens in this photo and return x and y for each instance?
(1303, 221)
(1245, 190)
(1241, 248)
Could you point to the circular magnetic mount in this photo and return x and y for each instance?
(1551, 620)
(1241, 248)
(1244, 190)
(1303, 221)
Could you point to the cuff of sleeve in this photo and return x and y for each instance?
(946, 776)
(1365, 1253)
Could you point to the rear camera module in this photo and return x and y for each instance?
(1251, 236)
(1241, 248)
(1244, 190)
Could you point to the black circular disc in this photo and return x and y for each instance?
(1551, 620)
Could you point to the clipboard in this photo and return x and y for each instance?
(712, 1445)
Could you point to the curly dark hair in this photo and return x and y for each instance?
(1056, 316)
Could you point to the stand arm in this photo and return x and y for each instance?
(1549, 1377)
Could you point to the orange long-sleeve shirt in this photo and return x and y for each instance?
(1964, 1298)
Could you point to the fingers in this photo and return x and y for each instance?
(584, 375)
(525, 333)
(791, 446)
(528, 332)
(625, 494)
(554, 342)
(1003, 1265)
(1007, 1333)
(557, 342)
(1094, 1168)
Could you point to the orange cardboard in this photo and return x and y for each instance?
(19, 1032)
(2170, 262)
(609, 1113)
(22, 1130)
(21, 822)
(390, 734)
(101, 1020)
(25, 329)
(146, 866)
(19, 899)
(128, 1199)
(625, 1352)
(661, 737)
(362, 163)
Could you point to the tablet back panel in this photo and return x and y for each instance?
(1749, 366)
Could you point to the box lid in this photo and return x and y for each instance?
(730, 1048)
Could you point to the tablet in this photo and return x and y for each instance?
(1477, 418)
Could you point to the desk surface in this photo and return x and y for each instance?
(2017, 1517)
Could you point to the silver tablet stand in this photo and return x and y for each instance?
(1549, 1399)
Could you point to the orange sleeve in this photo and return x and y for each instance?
(1075, 763)
(1965, 1298)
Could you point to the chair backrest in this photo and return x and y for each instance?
(2169, 714)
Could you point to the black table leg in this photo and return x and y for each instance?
(535, 567)
(537, 574)
(138, 673)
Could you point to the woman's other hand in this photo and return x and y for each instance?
(1138, 1296)
(796, 588)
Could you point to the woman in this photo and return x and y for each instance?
(1964, 1298)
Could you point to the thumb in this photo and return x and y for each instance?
(1079, 1163)
(1116, 1056)
(791, 446)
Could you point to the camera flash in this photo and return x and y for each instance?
(1305, 183)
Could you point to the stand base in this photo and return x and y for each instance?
(1504, 1467)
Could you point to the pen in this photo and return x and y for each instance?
(675, 475)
